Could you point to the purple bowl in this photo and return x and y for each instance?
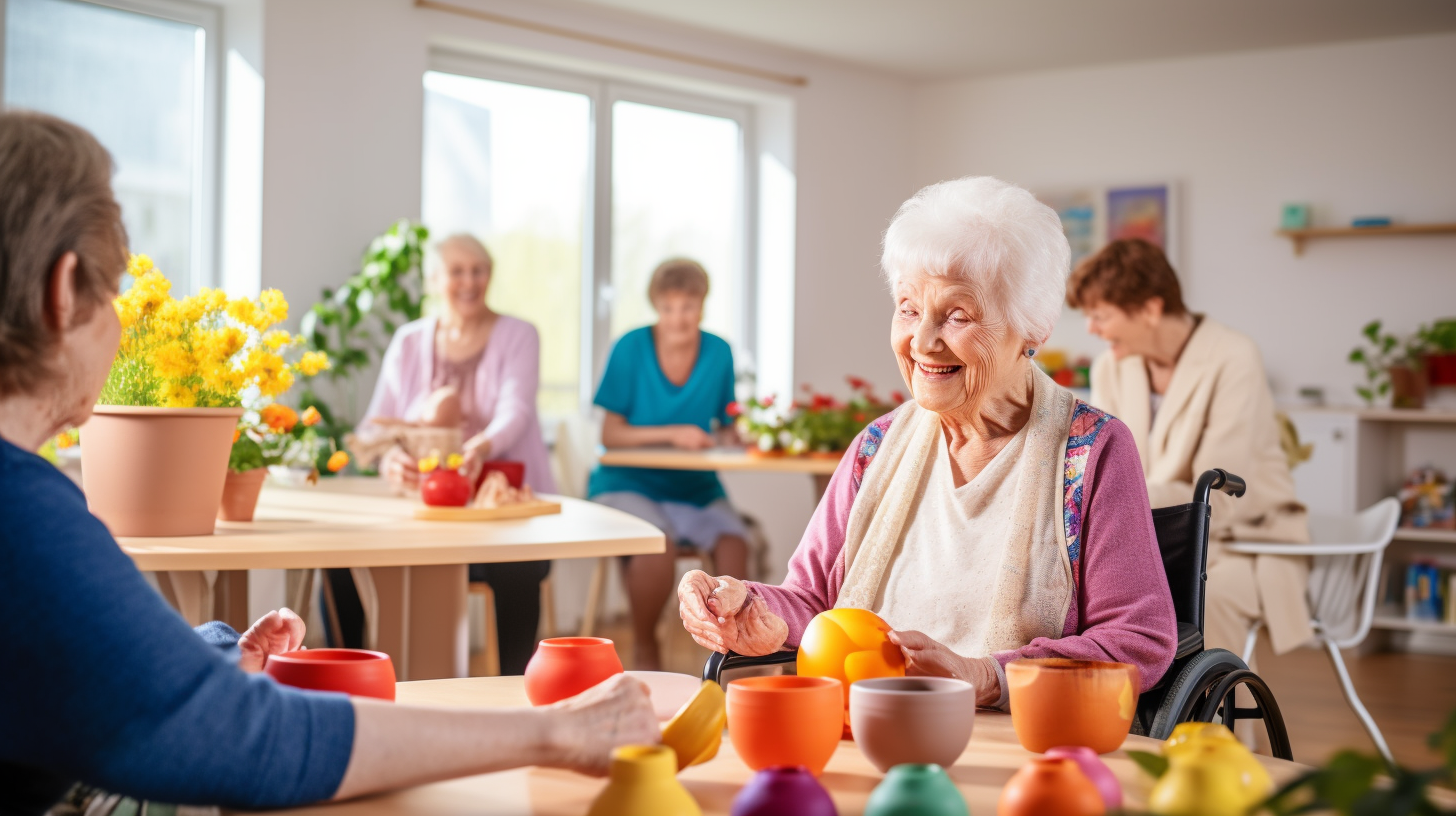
(1095, 770)
(783, 791)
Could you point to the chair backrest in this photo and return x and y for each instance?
(573, 455)
(1183, 542)
(1344, 588)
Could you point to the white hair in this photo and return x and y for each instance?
(995, 236)
(435, 264)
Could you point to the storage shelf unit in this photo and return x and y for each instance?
(1395, 623)
(1299, 236)
(1428, 536)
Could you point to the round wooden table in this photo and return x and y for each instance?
(987, 763)
(411, 572)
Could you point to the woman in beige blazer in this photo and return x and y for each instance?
(1194, 394)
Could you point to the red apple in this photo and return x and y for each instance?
(445, 488)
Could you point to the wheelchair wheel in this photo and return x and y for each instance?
(1190, 689)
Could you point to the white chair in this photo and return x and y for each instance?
(1343, 588)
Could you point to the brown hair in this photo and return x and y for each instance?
(55, 197)
(1126, 273)
(678, 275)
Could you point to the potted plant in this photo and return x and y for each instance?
(825, 427)
(154, 454)
(1392, 366)
(760, 424)
(275, 436)
(1439, 340)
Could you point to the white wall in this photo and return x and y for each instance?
(1354, 129)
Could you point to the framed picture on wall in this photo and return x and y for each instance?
(1093, 216)
(1139, 212)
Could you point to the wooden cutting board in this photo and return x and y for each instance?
(510, 511)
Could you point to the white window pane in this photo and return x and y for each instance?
(675, 193)
(508, 163)
(135, 82)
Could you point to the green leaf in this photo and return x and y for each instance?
(1153, 764)
(1372, 330)
(1366, 394)
(246, 454)
(1357, 355)
(1384, 388)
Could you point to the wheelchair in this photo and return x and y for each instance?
(1201, 683)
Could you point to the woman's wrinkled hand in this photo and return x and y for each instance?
(585, 728)
(927, 657)
(477, 450)
(721, 615)
(277, 632)
(402, 471)
(690, 437)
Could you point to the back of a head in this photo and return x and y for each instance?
(1126, 273)
(55, 197)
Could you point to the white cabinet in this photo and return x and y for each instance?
(1326, 483)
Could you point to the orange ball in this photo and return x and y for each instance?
(848, 645)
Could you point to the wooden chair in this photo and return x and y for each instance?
(492, 639)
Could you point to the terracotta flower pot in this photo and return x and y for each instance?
(566, 666)
(240, 494)
(1050, 785)
(1060, 702)
(785, 720)
(359, 672)
(642, 781)
(1407, 387)
(156, 471)
(912, 720)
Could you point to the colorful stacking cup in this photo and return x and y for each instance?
(786, 720)
(912, 720)
(359, 672)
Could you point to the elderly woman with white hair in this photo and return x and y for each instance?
(993, 516)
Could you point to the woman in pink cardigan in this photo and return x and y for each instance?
(487, 366)
(994, 516)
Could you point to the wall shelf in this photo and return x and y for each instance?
(1417, 534)
(1404, 625)
(1299, 236)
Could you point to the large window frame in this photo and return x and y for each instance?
(207, 138)
(598, 295)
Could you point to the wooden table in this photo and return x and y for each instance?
(412, 572)
(820, 467)
(987, 763)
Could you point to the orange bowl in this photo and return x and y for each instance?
(848, 645)
(359, 672)
(1056, 701)
(785, 720)
(566, 666)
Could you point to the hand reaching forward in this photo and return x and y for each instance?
(926, 657)
(276, 632)
(615, 712)
(721, 615)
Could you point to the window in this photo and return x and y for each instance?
(135, 76)
(580, 189)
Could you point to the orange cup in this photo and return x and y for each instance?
(566, 666)
(359, 672)
(786, 720)
(1056, 701)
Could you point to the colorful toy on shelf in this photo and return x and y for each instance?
(848, 645)
(916, 790)
(696, 731)
(443, 486)
(566, 666)
(1058, 702)
(783, 791)
(1095, 770)
(912, 720)
(1050, 785)
(785, 720)
(642, 781)
(1427, 500)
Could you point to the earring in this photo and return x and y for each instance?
(1031, 352)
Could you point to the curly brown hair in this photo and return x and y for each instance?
(55, 197)
(1126, 273)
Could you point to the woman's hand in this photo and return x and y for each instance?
(401, 470)
(721, 615)
(476, 454)
(277, 632)
(585, 728)
(926, 657)
(690, 437)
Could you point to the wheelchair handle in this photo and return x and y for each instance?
(1218, 479)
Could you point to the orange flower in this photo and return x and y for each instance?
(338, 461)
(64, 441)
(311, 416)
(237, 432)
(280, 418)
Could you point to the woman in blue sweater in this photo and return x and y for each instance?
(102, 683)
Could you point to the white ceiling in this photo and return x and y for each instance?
(933, 39)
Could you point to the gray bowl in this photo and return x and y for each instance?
(915, 720)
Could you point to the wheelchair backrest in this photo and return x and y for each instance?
(1183, 542)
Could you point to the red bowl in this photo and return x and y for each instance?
(515, 473)
(566, 666)
(359, 672)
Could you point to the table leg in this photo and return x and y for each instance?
(423, 620)
(230, 599)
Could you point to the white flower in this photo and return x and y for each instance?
(766, 442)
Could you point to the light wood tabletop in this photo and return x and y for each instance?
(983, 769)
(357, 522)
(717, 459)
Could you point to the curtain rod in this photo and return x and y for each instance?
(611, 42)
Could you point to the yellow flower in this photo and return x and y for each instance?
(277, 384)
(213, 300)
(138, 265)
(217, 346)
(454, 461)
(177, 395)
(275, 306)
(171, 360)
(338, 461)
(429, 463)
(243, 310)
(311, 416)
(277, 339)
(312, 362)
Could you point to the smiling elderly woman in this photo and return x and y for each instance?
(994, 516)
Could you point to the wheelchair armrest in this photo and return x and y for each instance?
(1259, 548)
(719, 662)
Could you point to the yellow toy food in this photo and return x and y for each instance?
(696, 731)
(1210, 773)
(848, 645)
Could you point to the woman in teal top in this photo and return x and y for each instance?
(669, 384)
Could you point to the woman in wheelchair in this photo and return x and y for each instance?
(994, 516)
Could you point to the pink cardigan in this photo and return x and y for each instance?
(505, 389)
(1122, 610)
